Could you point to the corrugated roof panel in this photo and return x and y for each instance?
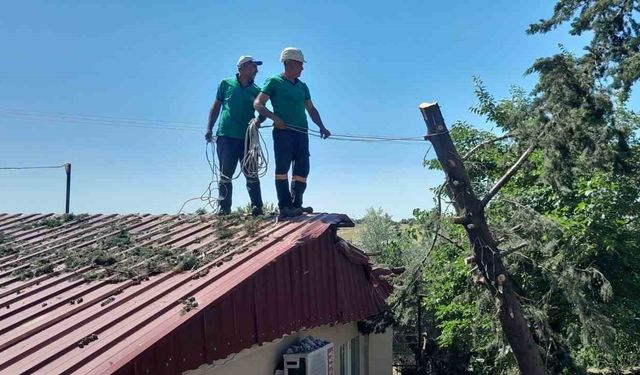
(256, 281)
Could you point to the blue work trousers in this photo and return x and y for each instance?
(291, 148)
(231, 151)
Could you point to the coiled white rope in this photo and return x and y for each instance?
(254, 165)
(255, 161)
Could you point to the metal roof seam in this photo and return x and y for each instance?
(49, 249)
(72, 229)
(27, 235)
(109, 307)
(9, 228)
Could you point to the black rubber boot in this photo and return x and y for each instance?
(284, 195)
(255, 195)
(297, 192)
(225, 191)
(289, 212)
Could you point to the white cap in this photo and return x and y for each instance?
(246, 59)
(291, 53)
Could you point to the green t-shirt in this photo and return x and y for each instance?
(237, 107)
(288, 99)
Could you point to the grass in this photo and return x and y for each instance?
(348, 233)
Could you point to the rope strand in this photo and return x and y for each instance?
(208, 196)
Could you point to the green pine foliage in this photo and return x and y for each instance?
(613, 53)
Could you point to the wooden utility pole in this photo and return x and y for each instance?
(419, 361)
(67, 169)
(486, 255)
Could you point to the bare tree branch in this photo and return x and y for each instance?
(482, 144)
(506, 177)
(454, 243)
(513, 249)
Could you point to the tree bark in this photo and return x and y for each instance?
(470, 213)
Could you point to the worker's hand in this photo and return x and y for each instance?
(279, 124)
(209, 136)
(254, 122)
(324, 133)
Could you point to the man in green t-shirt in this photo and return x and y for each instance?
(234, 99)
(290, 98)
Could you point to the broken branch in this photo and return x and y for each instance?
(482, 144)
(454, 243)
(506, 177)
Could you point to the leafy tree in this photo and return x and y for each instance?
(377, 233)
(568, 218)
(613, 54)
(571, 247)
(576, 256)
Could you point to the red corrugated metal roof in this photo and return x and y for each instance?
(259, 281)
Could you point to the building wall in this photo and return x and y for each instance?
(375, 353)
(380, 353)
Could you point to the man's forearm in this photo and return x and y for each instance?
(212, 121)
(315, 117)
(264, 111)
(213, 115)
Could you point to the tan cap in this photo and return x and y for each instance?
(246, 59)
(291, 53)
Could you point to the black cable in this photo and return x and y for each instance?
(183, 126)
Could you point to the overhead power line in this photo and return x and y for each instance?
(36, 167)
(99, 118)
(179, 125)
(100, 121)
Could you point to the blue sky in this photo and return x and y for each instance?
(369, 66)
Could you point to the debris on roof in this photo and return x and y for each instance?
(113, 293)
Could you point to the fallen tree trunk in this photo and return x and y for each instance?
(470, 214)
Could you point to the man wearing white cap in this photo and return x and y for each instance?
(290, 98)
(235, 98)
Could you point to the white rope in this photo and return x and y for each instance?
(255, 161)
(210, 195)
(254, 164)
